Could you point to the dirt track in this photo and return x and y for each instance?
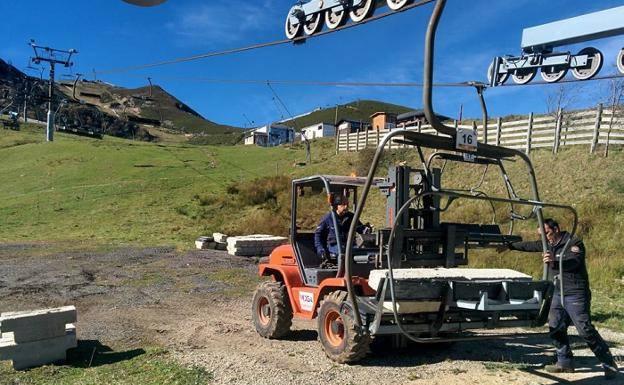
(192, 304)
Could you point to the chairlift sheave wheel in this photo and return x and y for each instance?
(552, 74)
(395, 5)
(364, 10)
(501, 78)
(335, 17)
(620, 61)
(313, 24)
(523, 76)
(594, 64)
(292, 30)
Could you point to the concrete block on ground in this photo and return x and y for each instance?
(254, 245)
(28, 326)
(37, 353)
(219, 238)
(205, 243)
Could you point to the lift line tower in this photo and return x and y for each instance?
(52, 56)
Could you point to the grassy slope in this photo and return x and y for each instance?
(185, 121)
(154, 367)
(118, 191)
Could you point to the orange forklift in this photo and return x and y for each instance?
(409, 279)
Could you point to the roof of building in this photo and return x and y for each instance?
(315, 125)
(383, 113)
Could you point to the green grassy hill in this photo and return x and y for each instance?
(357, 110)
(117, 191)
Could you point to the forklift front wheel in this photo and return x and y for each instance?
(271, 311)
(339, 337)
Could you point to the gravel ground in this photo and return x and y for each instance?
(139, 297)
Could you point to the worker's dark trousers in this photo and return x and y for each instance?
(577, 312)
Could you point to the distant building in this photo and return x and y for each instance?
(383, 121)
(412, 118)
(319, 130)
(254, 138)
(270, 135)
(350, 126)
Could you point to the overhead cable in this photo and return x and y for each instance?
(309, 82)
(260, 45)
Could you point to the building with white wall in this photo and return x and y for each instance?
(319, 130)
(270, 135)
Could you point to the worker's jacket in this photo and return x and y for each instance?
(325, 235)
(574, 275)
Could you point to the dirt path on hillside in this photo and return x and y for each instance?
(197, 305)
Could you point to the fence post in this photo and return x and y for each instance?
(366, 135)
(337, 140)
(357, 141)
(594, 142)
(348, 140)
(419, 126)
(404, 129)
(377, 138)
(529, 133)
(558, 124)
(499, 129)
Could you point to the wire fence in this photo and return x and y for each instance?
(599, 126)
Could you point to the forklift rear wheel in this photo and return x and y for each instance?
(339, 337)
(271, 311)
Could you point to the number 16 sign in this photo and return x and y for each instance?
(466, 139)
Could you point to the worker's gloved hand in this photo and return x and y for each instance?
(368, 228)
(324, 255)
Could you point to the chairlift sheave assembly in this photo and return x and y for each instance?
(308, 17)
(539, 52)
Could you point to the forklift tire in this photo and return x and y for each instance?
(271, 311)
(337, 333)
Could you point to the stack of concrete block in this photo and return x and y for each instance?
(35, 338)
(205, 243)
(254, 245)
(220, 240)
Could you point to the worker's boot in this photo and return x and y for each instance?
(559, 368)
(610, 371)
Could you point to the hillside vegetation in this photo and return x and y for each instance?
(360, 110)
(115, 191)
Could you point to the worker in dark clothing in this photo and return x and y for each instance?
(575, 308)
(325, 240)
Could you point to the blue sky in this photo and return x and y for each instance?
(111, 34)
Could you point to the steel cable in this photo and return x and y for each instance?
(261, 45)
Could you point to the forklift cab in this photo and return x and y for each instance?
(312, 198)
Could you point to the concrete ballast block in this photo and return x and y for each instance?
(219, 238)
(37, 325)
(35, 338)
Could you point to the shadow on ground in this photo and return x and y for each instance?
(91, 353)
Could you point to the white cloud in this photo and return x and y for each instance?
(222, 22)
